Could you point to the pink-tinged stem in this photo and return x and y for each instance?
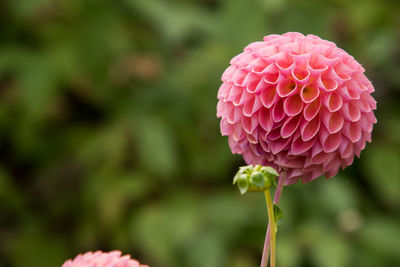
(277, 198)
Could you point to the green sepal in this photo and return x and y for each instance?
(243, 184)
(257, 179)
(269, 170)
(271, 174)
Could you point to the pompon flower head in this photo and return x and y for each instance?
(102, 259)
(297, 103)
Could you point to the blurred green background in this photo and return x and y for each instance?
(109, 138)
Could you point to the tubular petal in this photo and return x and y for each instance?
(333, 121)
(278, 112)
(351, 111)
(226, 127)
(333, 102)
(300, 146)
(290, 126)
(268, 97)
(293, 105)
(352, 131)
(301, 75)
(332, 142)
(328, 84)
(265, 119)
(312, 109)
(309, 93)
(310, 129)
(286, 88)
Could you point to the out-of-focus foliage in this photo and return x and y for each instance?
(109, 140)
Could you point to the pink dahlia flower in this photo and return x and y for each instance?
(297, 103)
(102, 259)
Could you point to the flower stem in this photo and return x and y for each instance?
(271, 218)
(277, 197)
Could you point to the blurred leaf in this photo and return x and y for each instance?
(157, 148)
(381, 235)
(382, 169)
(327, 247)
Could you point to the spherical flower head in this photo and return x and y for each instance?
(297, 103)
(102, 259)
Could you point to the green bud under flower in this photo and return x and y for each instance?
(255, 178)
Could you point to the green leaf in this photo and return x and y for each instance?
(278, 214)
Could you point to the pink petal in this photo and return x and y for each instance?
(317, 63)
(239, 76)
(228, 73)
(234, 92)
(333, 102)
(257, 150)
(293, 105)
(300, 74)
(251, 78)
(299, 146)
(330, 142)
(238, 132)
(245, 60)
(290, 126)
(271, 37)
(275, 133)
(251, 106)
(333, 121)
(309, 129)
(280, 144)
(254, 46)
(322, 157)
(297, 162)
(252, 86)
(252, 138)
(265, 119)
(271, 74)
(353, 89)
(235, 115)
(249, 124)
(351, 111)
(344, 93)
(222, 109)
(226, 127)
(224, 89)
(352, 130)
(244, 98)
(267, 51)
(309, 93)
(284, 61)
(286, 88)
(311, 110)
(332, 166)
(327, 84)
(264, 145)
(278, 112)
(346, 149)
(343, 71)
(257, 65)
(268, 96)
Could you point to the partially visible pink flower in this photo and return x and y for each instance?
(297, 103)
(102, 259)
